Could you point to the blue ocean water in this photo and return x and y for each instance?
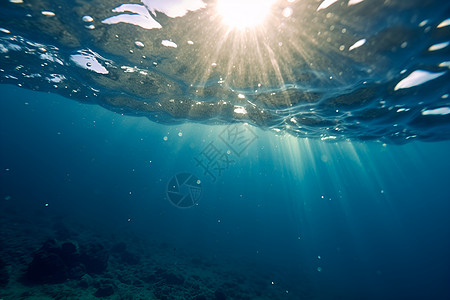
(310, 188)
(346, 220)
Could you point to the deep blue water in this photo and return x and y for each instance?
(381, 229)
(316, 146)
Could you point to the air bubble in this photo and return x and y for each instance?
(139, 44)
(48, 13)
(87, 19)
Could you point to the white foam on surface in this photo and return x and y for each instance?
(357, 44)
(240, 110)
(3, 49)
(326, 4)
(88, 61)
(48, 13)
(168, 43)
(50, 57)
(439, 46)
(417, 78)
(437, 111)
(139, 44)
(145, 15)
(353, 2)
(56, 78)
(444, 64)
(174, 8)
(141, 16)
(444, 23)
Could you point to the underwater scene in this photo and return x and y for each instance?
(224, 149)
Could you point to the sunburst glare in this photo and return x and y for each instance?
(241, 14)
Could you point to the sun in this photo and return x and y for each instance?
(242, 14)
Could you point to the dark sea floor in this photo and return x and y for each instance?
(136, 268)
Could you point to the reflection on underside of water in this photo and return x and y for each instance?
(331, 70)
